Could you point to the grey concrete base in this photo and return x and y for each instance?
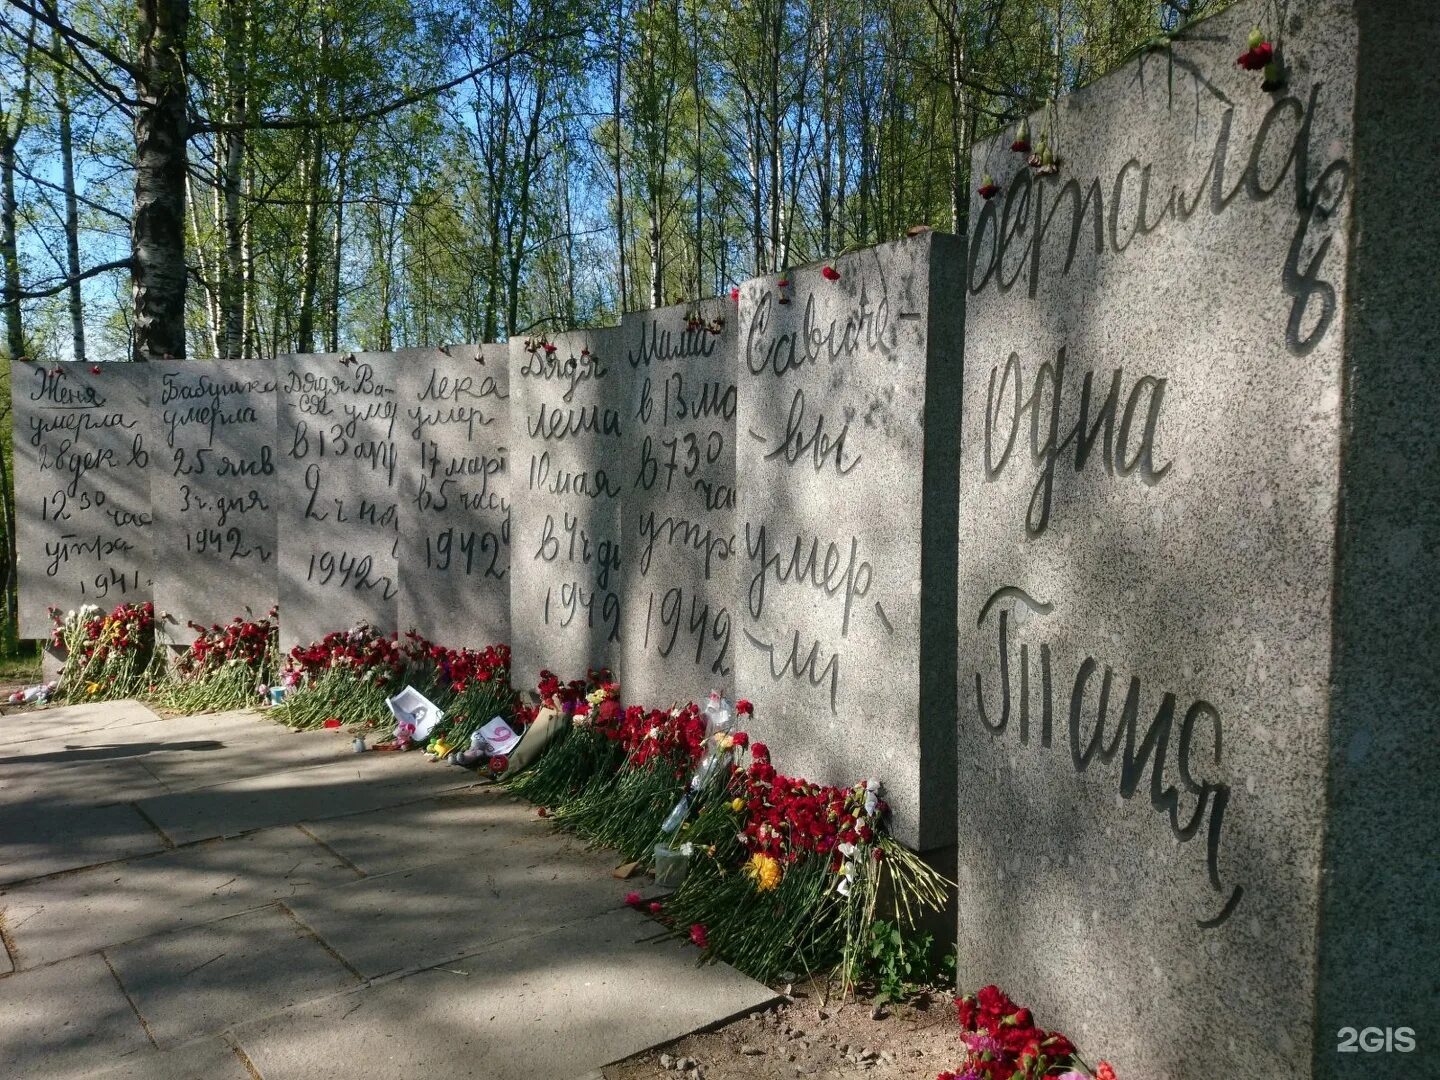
(549, 1004)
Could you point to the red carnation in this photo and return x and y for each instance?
(332, 723)
(1255, 59)
(655, 907)
(632, 899)
(698, 935)
(829, 273)
(543, 812)
(744, 707)
(1104, 1071)
(735, 294)
(988, 188)
(742, 740)
(94, 369)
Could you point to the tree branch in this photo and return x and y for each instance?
(289, 123)
(65, 283)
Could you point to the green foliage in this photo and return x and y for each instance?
(901, 964)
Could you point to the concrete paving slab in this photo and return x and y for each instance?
(47, 838)
(70, 720)
(208, 1059)
(474, 820)
(552, 1005)
(65, 1020)
(199, 980)
(520, 885)
(363, 782)
(251, 745)
(55, 781)
(88, 910)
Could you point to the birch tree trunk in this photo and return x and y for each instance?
(157, 230)
(12, 126)
(72, 206)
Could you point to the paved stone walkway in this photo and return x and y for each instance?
(215, 898)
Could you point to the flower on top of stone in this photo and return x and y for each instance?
(829, 273)
(699, 936)
(1049, 163)
(744, 707)
(1104, 1071)
(549, 347)
(1021, 145)
(632, 899)
(1258, 52)
(988, 188)
(656, 907)
(94, 369)
(735, 293)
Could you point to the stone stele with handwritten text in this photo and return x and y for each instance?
(567, 404)
(83, 457)
(455, 494)
(849, 387)
(681, 574)
(339, 519)
(213, 491)
(1196, 794)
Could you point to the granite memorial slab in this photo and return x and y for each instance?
(849, 381)
(213, 490)
(678, 505)
(455, 494)
(567, 403)
(339, 511)
(1199, 478)
(83, 457)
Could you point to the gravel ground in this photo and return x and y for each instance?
(810, 1036)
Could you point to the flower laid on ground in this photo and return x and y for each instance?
(633, 899)
(225, 667)
(988, 189)
(698, 935)
(764, 871)
(829, 273)
(1003, 1042)
(108, 655)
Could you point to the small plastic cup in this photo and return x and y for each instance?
(671, 866)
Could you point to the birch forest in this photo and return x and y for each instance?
(239, 178)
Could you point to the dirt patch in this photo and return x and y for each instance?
(810, 1037)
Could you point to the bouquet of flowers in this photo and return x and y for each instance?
(473, 687)
(584, 753)
(108, 655)
(1003, 1042)
(660, 751)
(226, 667)
(786, 874)
(343, 679)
